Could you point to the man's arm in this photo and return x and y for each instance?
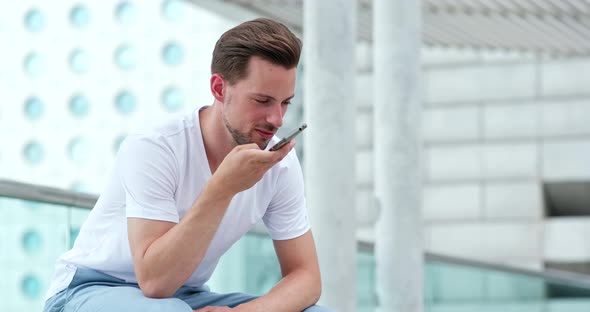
(165, 254)
(300, 286)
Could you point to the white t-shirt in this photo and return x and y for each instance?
(158, 175)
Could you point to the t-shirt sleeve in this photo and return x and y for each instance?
(286, 216)
(147, 171)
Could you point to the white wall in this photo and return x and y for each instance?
(496, 125)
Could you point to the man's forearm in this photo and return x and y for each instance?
(170, 260)
(295, 292)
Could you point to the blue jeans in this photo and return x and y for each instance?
(94, 291)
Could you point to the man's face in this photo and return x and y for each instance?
(254, 107)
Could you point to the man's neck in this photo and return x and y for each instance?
(216, 139)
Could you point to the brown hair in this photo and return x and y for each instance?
(262, 37)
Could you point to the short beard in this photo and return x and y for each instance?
(239, 137)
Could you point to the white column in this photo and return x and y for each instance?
(398, 243)
(329, 30)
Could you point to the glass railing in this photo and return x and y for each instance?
(33, 235)
(455, 285)
(42, 223)
(451, 285)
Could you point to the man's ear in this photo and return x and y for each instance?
(217, 84)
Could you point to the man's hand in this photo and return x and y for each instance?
(245, 165)
(301, 284)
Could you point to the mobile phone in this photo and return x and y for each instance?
(288, 138)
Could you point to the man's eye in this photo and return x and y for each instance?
(287, 103)
(262, 101)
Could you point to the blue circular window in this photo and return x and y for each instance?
(80, 16)
(34, 153)
(125, 57)
(34, 108)
(31, 286)
(33, 64)
(79, 150)
(173, 10)
(32, 241)
(34, 20)
(79, 61)
(172, 99)
(125, 12)
(79, 106)
(125, 102)
(172, 54)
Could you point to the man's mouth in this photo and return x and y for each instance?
(267, 135)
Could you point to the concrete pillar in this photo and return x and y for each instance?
(329, 36)
(397, 146)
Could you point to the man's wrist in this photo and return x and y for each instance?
(214, 189)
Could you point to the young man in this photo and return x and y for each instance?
(184, 191)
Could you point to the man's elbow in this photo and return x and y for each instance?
(152, 286)
(154, 289)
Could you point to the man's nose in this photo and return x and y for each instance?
(275, 116)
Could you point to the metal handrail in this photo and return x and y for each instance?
(46, 194)
(52, 195)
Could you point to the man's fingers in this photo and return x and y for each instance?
(278, 155)
(292, 145)
(266, 157)
(283, 151)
